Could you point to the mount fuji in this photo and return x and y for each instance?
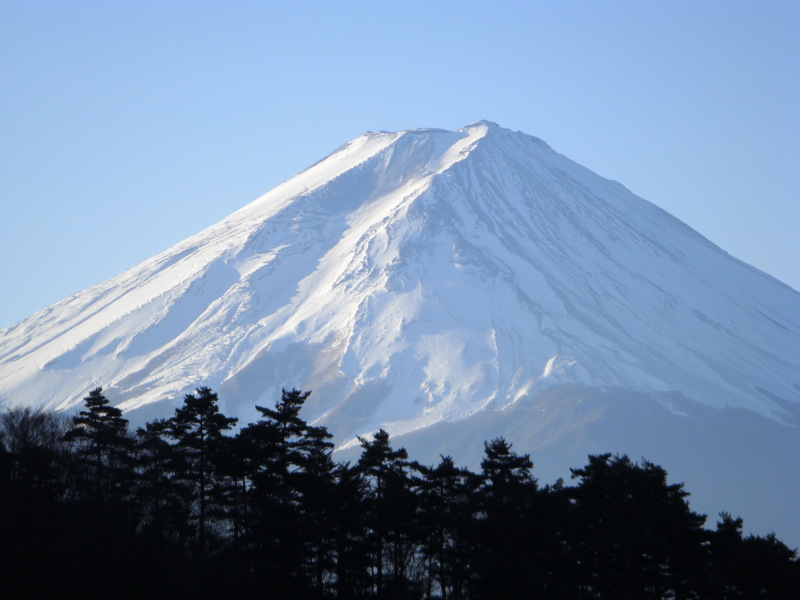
(451, 287)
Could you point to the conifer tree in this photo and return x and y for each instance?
(290, 522)
(290, 428)
(197, 428)
(635, 534)
(101, 440)
(315, 482)
(447, 505)
(391, 515)
(502, 532)
(751, 566)
(348, 503)
(275, 448)
(161, 493)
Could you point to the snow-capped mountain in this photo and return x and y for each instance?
(436, 283)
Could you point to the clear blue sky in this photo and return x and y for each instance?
(127, 126)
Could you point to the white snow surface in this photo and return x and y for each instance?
(420, 277)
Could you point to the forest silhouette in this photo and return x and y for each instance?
(192, 507)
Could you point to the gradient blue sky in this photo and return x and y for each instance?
(127, 126)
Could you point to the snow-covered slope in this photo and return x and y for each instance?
(420, 278)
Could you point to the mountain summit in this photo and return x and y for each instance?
(435, 283)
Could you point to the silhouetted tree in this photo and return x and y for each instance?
(269, 513)
(36, 519)
(348, 503)
(161, 493)
(315, 483)
(197, 428)
(750, 567)
(34, 451)
(100, 438)
(275, 450)
(390, 515)
(447, 505)
(636, 537)
(291, 428)
(505, 502)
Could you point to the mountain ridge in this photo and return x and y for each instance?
(375, 180)
(430, 280)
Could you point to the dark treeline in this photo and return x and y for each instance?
(191, 507)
